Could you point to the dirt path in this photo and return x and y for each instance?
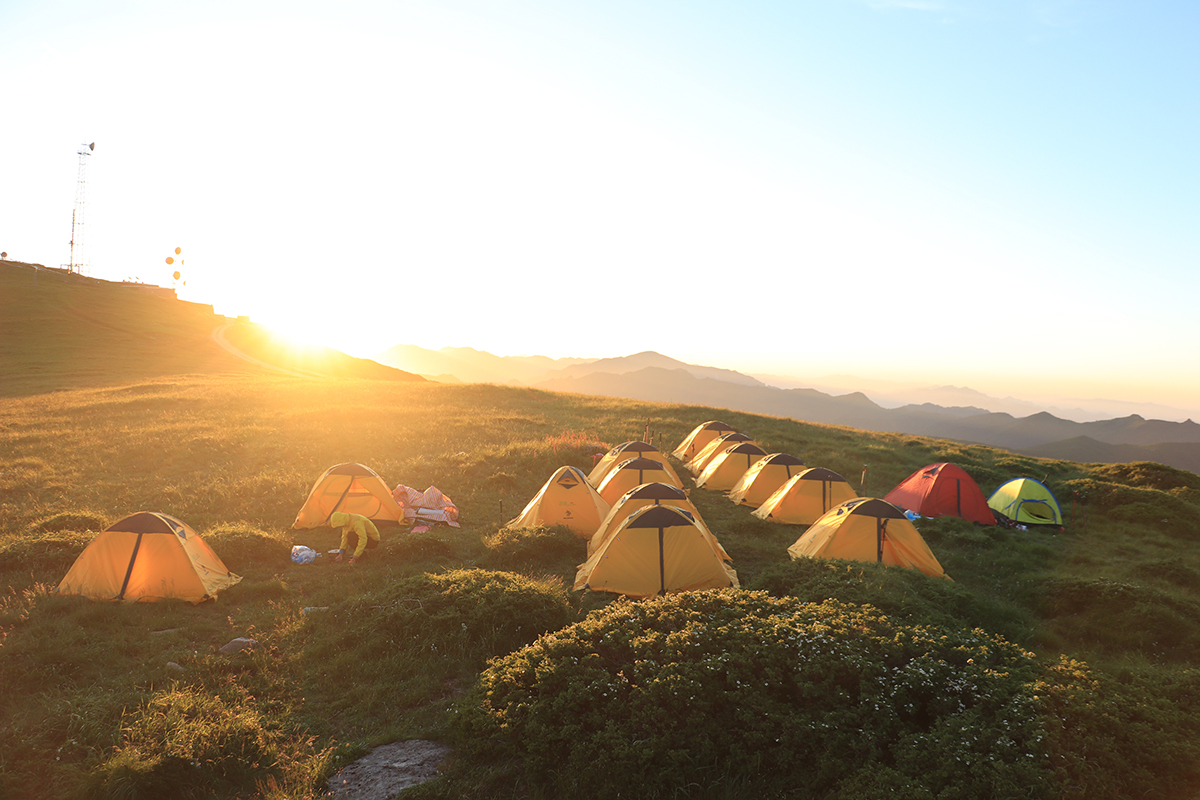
(218, 336)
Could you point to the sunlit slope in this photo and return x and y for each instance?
(61, 331)
(263, 344)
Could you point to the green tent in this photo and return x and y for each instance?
(1026, 501)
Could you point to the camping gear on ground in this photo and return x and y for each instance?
(302, 554)
(724, 471)
(634, 472)
(942, 490)
(700, 436)
(1026, 501)
(145, 557)
(656, 550)
(764, 477)
(868, 529)
(352, 488)
(639, 497)
(565, 499)
(623, 452)
(430, 506)
(714, 449)
(805, 497)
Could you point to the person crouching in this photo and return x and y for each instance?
(358, 531)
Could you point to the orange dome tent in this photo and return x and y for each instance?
(714, 449)
(352, 489)
(639, 497)
(565, 499)
(634, 472)
(623, 452)
(656, 550)
(764, 477)
(868, 529)
(700, 436)
(146, 557)
(805, 497)
(724, 471)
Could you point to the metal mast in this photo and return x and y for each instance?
(78, 262)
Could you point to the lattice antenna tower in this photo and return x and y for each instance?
(78, 259)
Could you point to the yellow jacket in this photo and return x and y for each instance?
(354, 523)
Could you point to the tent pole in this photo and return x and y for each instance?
(129, 570)
(662, 565)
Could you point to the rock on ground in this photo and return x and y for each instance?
(387, 769)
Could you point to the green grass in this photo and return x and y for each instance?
(125, 701)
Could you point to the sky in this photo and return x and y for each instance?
(1000, 194)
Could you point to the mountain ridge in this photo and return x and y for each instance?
(655, 377)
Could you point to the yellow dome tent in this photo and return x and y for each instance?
(639, 497)
(700, 436)
(724, 471)
(623, 452)
(764, 477)
(566, 499)
(147, 557)
(714, 449)
(350, 488)
(634, 472)
(805, 497)
(655, 551)
(868, 529)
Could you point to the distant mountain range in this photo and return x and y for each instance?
(654, 377)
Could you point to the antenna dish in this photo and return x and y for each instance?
(170, 260)
(178, 250)
(175, 275)
(92, 146)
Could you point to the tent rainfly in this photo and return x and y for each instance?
(868, 529)
(566, 499)
(700, 436)
(724, 471)
(714, 449)
(624, 452)
(639, 497)
(805, 497)
(942, 490)
(1026, 501)
(147, 557)
(352, 489)
(656, 550)
(764, 477)
(634, 472)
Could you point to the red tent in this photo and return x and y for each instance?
(942, 490)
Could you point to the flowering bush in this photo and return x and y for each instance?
(700, 692)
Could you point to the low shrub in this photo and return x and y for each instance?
(240, 547)
(47, 554)
(547, 548)
(1134, 737)
(906, 593)
(1118, 616)
(467, 614)
(190, 744)
(72, 521)
(719, 692)
(426, 546)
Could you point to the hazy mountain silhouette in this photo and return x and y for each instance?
(657, 378)
(467, 365)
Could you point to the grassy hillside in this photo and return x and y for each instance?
(1054, 665)
(60, 331)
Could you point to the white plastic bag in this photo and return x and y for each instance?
(303, 555)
